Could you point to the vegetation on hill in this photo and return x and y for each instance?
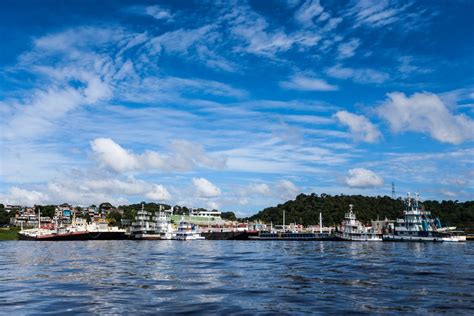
(305, 210)
(230, 216)
(5, 216)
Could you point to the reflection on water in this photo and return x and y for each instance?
(235, 277)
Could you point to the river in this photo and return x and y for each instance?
(235, 277)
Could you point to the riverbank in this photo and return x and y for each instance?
(10, 233)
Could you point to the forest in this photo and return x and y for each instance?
(305, 210)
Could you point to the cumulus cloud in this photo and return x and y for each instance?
(363, 178)
(287, 189)
(307, 83)
(87, 189)
(112, 155)
(205, 189)
(361, 128)
(184, 156)
(426, 113)
(158, 193)
(18, 196)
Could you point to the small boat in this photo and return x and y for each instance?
(187, 231)
(353, 230)
(418, 225)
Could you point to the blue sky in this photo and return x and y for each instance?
(234, 105)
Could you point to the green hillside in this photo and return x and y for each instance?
(305, 209)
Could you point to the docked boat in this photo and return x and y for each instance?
(418, 225)
(352, 229)
(163, 226)
(292, 236)
(144, 227)
(78, 230)
(187, 231)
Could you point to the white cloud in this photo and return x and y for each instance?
(184, 157)
(448, 193)
(158, 12)
(114, 156)
(426, 113)
(199, 44)
(287, 189)
(158, 193)
(359, 75)
(348, 49)
(36, 115)
(307, 83)
(18, 196)
(181, 40)
(212, 205)
(308, 11)
(83, 188)
(258, 188)
(361, 128)
(205, 189)
(260, 39)
(377, 13)
(200, 85)
(363, 178)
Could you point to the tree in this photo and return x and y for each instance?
(114, 218)
(229, 216)
(46, 210)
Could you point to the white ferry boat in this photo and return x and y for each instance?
(144, 227)
(187, 231)
(353, 230)
(163, 226)
(418, 225)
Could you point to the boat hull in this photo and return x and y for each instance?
(293, 236)
(75, 236)
(151, 237)
(436, 238)
(245, 235)
(411, 238)
(357, 237)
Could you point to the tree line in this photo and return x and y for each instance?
(305, 210)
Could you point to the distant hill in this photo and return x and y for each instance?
(305, 209)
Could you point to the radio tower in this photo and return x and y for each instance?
(393, 191)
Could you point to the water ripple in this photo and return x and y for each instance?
(235, 277)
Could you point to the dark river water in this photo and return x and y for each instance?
(235, 277)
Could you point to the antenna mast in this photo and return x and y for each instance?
(393, 190)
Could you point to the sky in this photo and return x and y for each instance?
(234, 105)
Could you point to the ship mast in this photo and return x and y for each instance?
(284, 230)
(320, 223)
(39, 218)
